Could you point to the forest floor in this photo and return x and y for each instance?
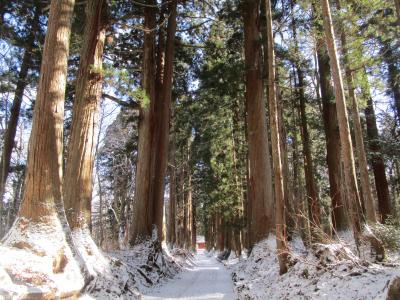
(204, 278)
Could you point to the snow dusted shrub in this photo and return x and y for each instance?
(388, 233)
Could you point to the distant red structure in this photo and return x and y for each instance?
(200, 241)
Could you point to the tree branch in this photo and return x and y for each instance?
(131, 104)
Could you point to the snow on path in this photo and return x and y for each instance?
(208, 279)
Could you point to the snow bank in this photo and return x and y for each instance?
(37, 263)
(329, 271)
(134, 271)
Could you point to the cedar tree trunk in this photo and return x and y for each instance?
(82, 143)
(260, 194)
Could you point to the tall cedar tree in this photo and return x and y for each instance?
(79, 165)
(42, 210)
(276, 148)
(377, 162)
(162, 119)
(354, 205)
(260, 193)
(143, 215)
(43, 188)
(331, 127)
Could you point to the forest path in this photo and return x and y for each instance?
(207, 279)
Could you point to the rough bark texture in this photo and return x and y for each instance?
(194, 228)
(187, 213)
(377, 162)
(276, 149)
(260, 194)
(154, 125)
(162, 115)
(11, 130)
(220, 230)
(43, 189)
(143, 206)
(79, 166)
(247, 205)
(331, 126)
(353, 198)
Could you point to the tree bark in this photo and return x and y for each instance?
(354, 204)
(247, 205)
(220, 232)
(377, 162)
(161, 128)
(42, 209)
(43, 188)
(332, 136)
(142, 221)
(260, 168)
(82, 143)
(276, 149)
(194, 228)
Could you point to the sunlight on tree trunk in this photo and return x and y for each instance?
(354, 204)
(261, 214)
(276, 149)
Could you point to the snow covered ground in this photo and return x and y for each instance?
(204, 279)
(135, 271)
(328, 272)
(36, 261)
(31, 267)
(150, 271)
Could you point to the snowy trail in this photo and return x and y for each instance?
(206, 280)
